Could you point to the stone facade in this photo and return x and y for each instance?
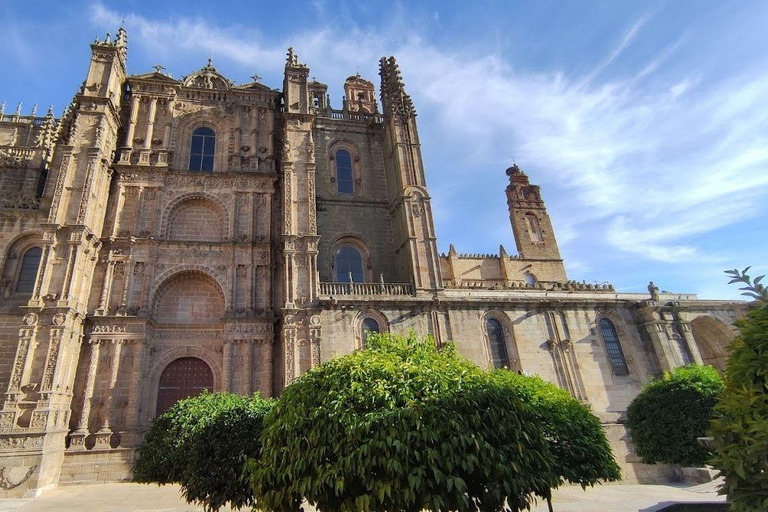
(165, 236)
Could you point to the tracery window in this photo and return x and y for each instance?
(344, 178)
(685, 351)
(202, 150)
(369, 325)
(348, 265)
(497, 343)
(530, 279)
(613, 347)
(28, 271)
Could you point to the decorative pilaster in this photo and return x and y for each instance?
(268, 372)
(77, 437)
(104, 434)
(226, 374)
(247, 367)
(133, 427)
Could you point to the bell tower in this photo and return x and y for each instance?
(534, 236)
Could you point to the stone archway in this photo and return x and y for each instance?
(712, 339)
(183, 378)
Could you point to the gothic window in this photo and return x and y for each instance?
(612, 346)
(369, 325)
(497, 343)
(534, 230)
(685, 351)
(202, 150)
(344, 177)
(28, 271)
(348, 264)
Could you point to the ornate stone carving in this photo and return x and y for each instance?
(30, 319)
(7, 484)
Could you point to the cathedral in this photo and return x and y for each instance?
(167, 236)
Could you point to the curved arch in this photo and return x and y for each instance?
(178, 201)
(181, 142)
(156, 367)
(193, 301)
(712, 338)
(416, 191)
(347, 181)
(359, 244)
(202, 149)
(500, 345)
(13, 259)
(611, 339)
(359, 324)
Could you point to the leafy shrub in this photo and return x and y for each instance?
(741, 427)
(668, 415)
(581, 451)
(202, 443)
(402, 426)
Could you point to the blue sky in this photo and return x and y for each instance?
(645, 123)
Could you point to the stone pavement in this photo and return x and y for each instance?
(151, 498)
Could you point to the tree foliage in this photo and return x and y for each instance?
(576, 438)
(741, 428)
(402, 426)
(668, 415)
(202, 443)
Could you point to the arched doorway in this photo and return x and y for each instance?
(712, 338)
(183, 378)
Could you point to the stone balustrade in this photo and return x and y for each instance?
(366, 289)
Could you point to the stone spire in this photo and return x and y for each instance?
(394, 99)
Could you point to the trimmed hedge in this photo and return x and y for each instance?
(202, 443)
(668, 415)
(741, 428)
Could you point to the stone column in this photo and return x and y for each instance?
(246, 367)
(105, 433)
(268, 371)
(77, 438)
(146, 148)
(226, 374)
(127, 149)
(132, 434)
(106, 285)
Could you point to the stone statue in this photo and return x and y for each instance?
(654, 291)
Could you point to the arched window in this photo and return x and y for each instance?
(344, 181)
(612, 346)
(497, 343)
(28, 272)
(369, 325)
(348, 261)
(534, 230)
(530, 279)
(682, 345)
(202, 150)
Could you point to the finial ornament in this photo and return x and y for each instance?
(158, 68)
(2, 108)
(18, 109)
(255, 77)
(34, 110)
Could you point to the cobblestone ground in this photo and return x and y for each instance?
(151, 498)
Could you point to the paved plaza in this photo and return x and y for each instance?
(151, 498)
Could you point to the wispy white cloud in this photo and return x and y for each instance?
(651, 168)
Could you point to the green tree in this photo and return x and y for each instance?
(402, 426)
(202, 443)
(741, 427)
(669, 414)
(581, 451)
